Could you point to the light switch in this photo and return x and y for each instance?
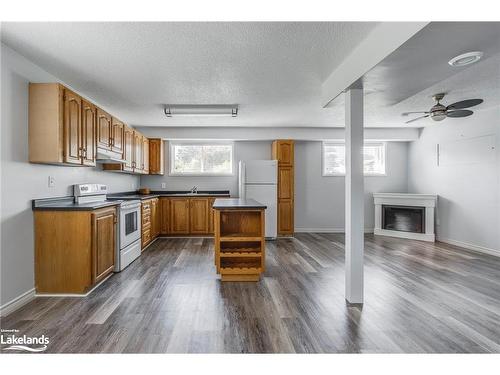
(52, 181)
(163, 185)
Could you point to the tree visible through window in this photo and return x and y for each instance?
(334, 159)
(200, 159)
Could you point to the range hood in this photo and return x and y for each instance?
(109, 157)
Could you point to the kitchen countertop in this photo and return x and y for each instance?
(68, 204)
(236, 203)
(166, 193)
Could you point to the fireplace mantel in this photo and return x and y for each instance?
(409, 200)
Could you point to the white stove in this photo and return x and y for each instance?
(128, 238)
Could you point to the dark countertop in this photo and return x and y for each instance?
(236, 203)
(167, 193)
(68, 204)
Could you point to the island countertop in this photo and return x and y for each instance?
(237, 203)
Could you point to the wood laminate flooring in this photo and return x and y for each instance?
(419, 298)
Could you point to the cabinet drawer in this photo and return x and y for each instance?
(146, 237)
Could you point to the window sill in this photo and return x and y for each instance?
(201, 175)
(365, 175)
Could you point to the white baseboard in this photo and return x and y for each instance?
(326, 230)
(17, 302)
(408, 235)
(469, 246)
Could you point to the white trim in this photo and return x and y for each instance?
(17, 302)
(469, 246)
(326, 230)
(172, 144)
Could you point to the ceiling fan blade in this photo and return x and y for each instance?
(418, 118)
(409, 113)
(464, 104)
(459, 113)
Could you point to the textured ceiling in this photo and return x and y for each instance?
(274, 71)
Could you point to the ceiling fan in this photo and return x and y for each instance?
(439, 112)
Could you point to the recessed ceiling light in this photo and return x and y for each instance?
(466, 58)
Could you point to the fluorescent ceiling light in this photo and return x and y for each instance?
(466, 58)
(201, 110)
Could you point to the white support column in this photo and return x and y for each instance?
(354, 196)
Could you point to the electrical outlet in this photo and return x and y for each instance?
(163, 185)
(52, 181)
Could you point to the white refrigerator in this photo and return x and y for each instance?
(258, 179)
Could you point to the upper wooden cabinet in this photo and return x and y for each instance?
(145, 155)
(89, 112)
(138, 152)
(282, 151)
(128, 149)
(156, 156)
(104, 131)
(61, 127)
(117, 136)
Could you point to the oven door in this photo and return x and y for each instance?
(130, 223)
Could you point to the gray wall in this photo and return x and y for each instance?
(319, 201)
(22, 181)
(243, 150)
(469, 192)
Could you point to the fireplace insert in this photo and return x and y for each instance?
(403, 218)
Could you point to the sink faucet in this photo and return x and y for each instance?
(194, 189)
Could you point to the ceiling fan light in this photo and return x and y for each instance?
(439, 116)
(466, 59)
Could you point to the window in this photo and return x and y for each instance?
(201, 159)
(334, 158)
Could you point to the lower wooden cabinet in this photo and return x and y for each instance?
(155, 218)
(74, 250)
(285, 216)
(179, 215)
(103, 243)
(186, 216)
(198, 216)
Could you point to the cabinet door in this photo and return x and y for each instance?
(138, 145)
(198, 216)
(283, 152)
(145, 155)
(156, 150)
(72, 128)
(128, 149)
(103, 243)
(285, 182)
(88, 133)
(179, 215)
(211, 215)
(117, 136)
(103, 130)
(154, 218)
(165, 215)
(285, 216)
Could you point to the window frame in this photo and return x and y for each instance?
(342, 143)
(172, 144)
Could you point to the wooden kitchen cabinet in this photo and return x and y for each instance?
(155, 218)
(283, 151)
(146, 223)
(89, 112)
(104, 130)
(211, 215)
(117, 136)
(145, 155)
(128, 151)
(179, 215)
(74, 250)
(198, 216)
(61, 126)
(156, 156)
(138, 153)
(103, 243)
(164, 215)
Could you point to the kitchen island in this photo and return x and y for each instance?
(239, 239)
